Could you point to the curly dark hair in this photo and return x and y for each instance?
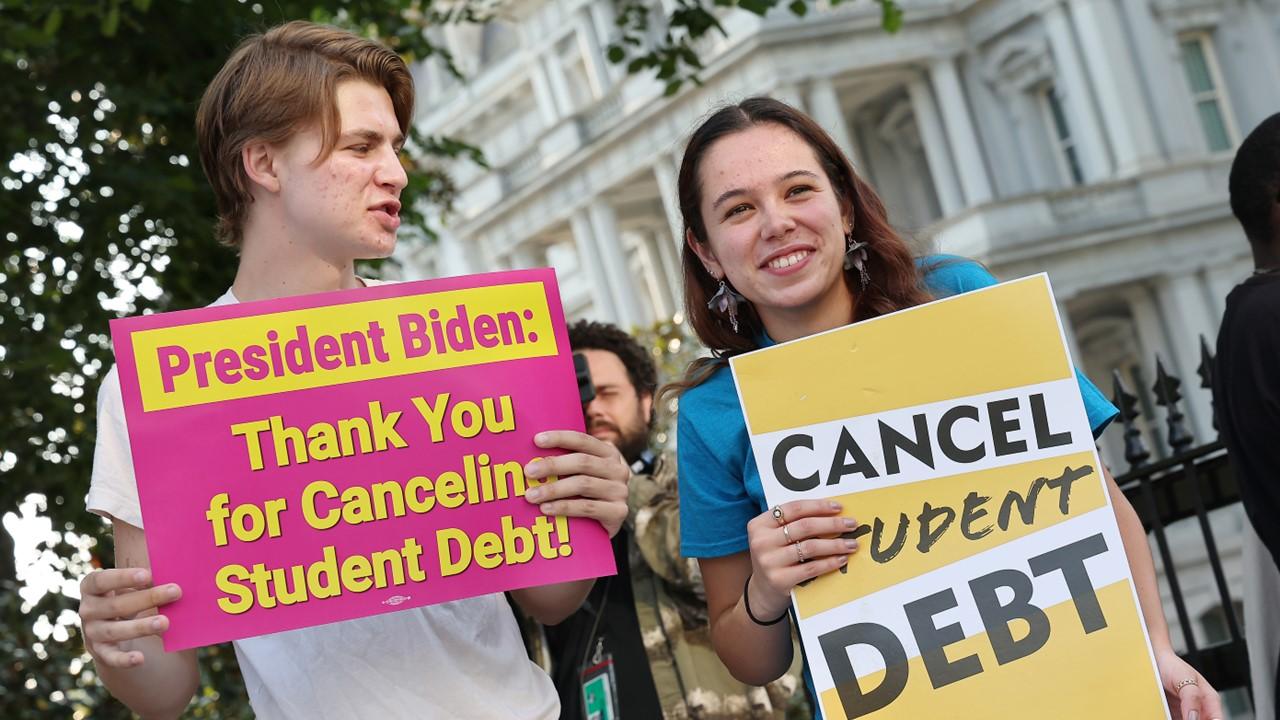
(1255, 180)
(590, 335)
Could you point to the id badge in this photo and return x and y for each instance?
(599, 686)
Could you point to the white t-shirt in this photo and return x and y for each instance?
(463, 659)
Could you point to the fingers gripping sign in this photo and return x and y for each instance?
(590, 480)
(1191, 697)
(118, 607)
(794, 543)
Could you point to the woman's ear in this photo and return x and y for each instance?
(704, 253)
(259, 160)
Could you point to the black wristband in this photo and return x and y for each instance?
(747, 605)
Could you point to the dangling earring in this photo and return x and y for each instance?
(855, 256)
(726, 302)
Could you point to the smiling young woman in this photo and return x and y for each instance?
(784, 240)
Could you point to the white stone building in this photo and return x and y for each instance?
(1087, 138)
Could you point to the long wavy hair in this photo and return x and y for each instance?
(895, 280)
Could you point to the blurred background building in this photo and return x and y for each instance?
(1090, 139)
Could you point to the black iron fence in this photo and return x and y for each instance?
(1193, 481)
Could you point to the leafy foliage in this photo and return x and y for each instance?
(669, 46)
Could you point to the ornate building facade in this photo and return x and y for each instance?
(1090, 139)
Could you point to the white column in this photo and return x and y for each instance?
(1183, 300)
(668, 265)
(592, 54)
(664, 171)
(824, 105)
(959, 125)
(613, 259)
(542, 94)
(1160, 58)
(605, 20)
(1076, 99)
(935, 147)
(452, 257)
(654, 276)
(589, 261)
(1120, 97)
(559, 84)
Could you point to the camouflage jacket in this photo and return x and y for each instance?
(671, 607)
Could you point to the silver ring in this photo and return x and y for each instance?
(800, 553)
(1177, 687)
(777, 515)
(787, 532)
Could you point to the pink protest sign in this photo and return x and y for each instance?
(313, 459)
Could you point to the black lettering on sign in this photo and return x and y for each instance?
(835, 649)
(996, 617)
(933, 640)
(780, 471)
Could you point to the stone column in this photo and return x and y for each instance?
(824, 105)
(1120, 97)
(935, 147)
(1183, 299)
(665, 173)
(547, 106)
(1160, 58)
(592, 54)
(970, 164)
(668, 267)
(1091, 145)
(584, 241)
(654, 276)
(605, 20)
(613, 260)
(558, 83)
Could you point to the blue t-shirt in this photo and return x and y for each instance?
(720, 489)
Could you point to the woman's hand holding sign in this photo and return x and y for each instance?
(1190, 695)
(790, 544)
(592, 479)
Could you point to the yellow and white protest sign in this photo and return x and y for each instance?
(991, 580)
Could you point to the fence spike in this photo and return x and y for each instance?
(1207, 367)
(1168, 393)
(1135, 450)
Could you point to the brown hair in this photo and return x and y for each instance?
(274, 84)
(896, 281)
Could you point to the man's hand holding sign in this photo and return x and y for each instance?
(989, 564)
(319, 458)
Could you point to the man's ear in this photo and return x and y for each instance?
(703, 251)
(259, 160)
(646, 408)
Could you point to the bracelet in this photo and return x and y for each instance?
(747, 605)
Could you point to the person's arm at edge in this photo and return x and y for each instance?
(1142, 568)
(138, 672)
(754, 654)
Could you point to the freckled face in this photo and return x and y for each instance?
(774, 224)
(347, 206)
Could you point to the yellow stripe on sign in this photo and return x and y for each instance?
(223, 359)
(1001, 337)
(1105, 674)
(1043, 481)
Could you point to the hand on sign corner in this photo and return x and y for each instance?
(802, 544)
(118, 607)
(592, 479)
(1198, 701)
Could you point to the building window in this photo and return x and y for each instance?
(1201, 67)
(1067, 155)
